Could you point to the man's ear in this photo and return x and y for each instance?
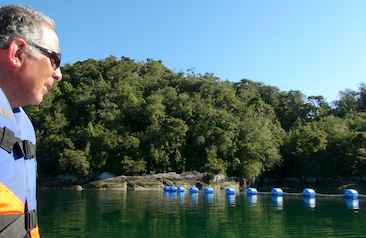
(16, 53)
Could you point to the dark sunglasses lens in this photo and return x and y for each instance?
(57, 58)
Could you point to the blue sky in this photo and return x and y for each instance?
(315, 46)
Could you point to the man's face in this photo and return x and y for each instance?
(39, 74)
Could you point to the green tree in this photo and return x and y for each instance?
(130, 118)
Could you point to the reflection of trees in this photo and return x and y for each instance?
(63, 212)
(155, 214)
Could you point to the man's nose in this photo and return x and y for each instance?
(57, 75)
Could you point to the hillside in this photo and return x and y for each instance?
(134, 118)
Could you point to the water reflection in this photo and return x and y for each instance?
(231, 199)
(353, 203)
(194, 197)
(181, 197)
(309, 202)
(165, 214)
(169, 196)
(278, 200)
(252, 199)
(209, 197)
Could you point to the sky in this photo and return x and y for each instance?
(315, 46)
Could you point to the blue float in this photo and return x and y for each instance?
(230, 191)
(251, 191)
(276, 192)
(308, 192)
(167, 188)
(173, 189)
(351, 193)
(208, 190)
(193, 190)
(181, 189)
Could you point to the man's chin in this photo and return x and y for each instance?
(37, 100)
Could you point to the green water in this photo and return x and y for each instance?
(154, 213)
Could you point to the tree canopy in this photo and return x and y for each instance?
(128, 117)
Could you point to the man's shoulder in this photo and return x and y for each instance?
(6, 113)
(24, 125)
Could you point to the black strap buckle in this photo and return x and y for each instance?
(30, 221)
(29, 149)
(7, 139)
(18, 147)
(17, 225)
(10, 143)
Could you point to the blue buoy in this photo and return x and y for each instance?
(173, 189)
(230, 191)
(251, 191)
(276, 192)
(167, 188)
(208, 190)
(308, 192)
(180, 189)
(193, 190)
(351, 193)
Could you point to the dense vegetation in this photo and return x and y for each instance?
(128, 117)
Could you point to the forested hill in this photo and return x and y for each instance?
(130, 118)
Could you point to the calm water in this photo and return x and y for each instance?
(154, 213)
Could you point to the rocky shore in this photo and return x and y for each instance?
(199, 180)
(156, 181)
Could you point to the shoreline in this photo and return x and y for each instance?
(202, 180)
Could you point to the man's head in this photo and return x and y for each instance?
(29, 54)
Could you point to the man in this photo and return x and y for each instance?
(29, 64)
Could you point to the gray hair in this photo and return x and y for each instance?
(22, 22)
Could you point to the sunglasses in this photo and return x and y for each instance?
(55, 56)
